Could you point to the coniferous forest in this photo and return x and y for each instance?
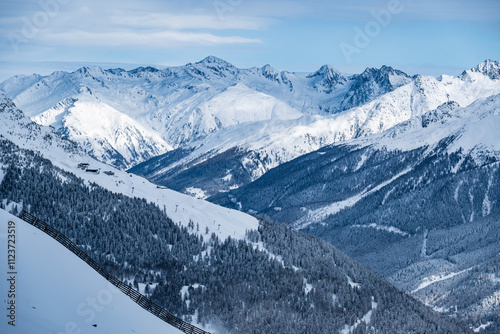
(292, 282)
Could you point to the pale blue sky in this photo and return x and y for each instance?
(425, 36)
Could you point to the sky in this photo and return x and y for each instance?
(430, 37)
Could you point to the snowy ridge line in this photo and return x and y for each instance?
(138, 298)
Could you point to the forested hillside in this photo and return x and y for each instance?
(276, 281)
(419, 204)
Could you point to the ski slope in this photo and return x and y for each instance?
(56, 292)
(182, 209)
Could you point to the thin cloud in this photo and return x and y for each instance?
(102, 24)
(163, 39)
(188, 22)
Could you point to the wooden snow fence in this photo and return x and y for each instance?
(140, 299)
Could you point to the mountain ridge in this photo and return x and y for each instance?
(252, 150)
(185, 107)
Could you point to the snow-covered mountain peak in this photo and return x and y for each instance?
(267, 70)
(385, 76)
(327, 78)
(116, 71)
(90, 71)
(326, 71)
(140, 71)
(372, 83)
(489, 68)
(212, 60)
(442, 112)
(217, 66)
(272, 74)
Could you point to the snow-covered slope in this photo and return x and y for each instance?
(474, 130)
(180, 208)
(489, 68)
(468, 134)
(18, 128)
(56, 292)
(104, 132)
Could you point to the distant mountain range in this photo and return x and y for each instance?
(238, 155)
(211, 107)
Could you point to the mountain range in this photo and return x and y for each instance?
(399, 172)
(196, 112)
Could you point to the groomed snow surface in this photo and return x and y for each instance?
(182, 209)
(57, 293)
